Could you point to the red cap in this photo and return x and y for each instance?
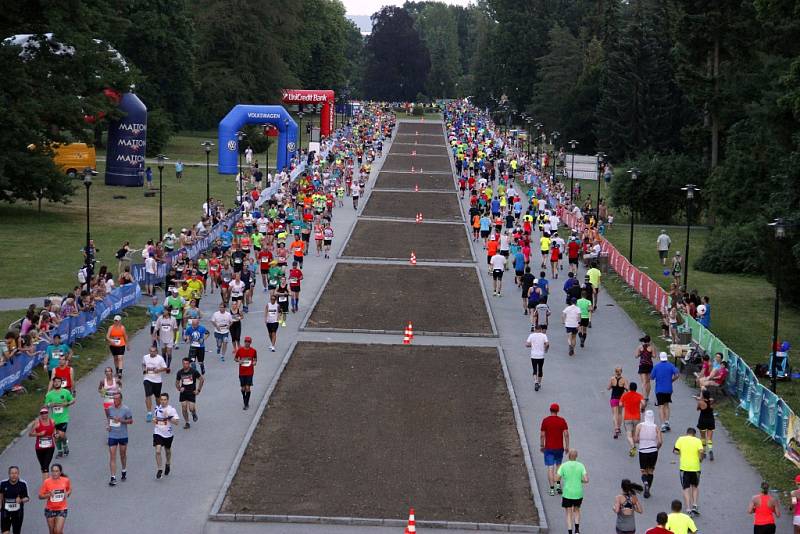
(248, 338)
(797, 479)
(555, 407)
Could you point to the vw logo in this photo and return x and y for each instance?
(231, 145)
(290, 147)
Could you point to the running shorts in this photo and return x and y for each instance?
(689, 479)
(272, 327)
(571, 503)
(538, 366)
(152, 388)
(245, 380)
(663, 398)
(647, 460)
(187, 396)
(497, 274)
(161, 440)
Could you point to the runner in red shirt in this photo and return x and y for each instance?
(573, 251)
(554, 440)
(264, 258)
(661, 526)
(295, 277)
(246, 357)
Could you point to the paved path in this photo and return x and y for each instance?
(20, 303)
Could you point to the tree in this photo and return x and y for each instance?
(398, 62)
(559, 70)
(438, 29)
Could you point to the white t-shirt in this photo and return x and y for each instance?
(150, 265)
(162, 419)
(237, 288)
(166, 329)
(355, 189)
(272, 312)
(262, 224)
(537, 341)
(150, 365)
(504, 244)
(542, 204)
(498, 262)
(222, 321)
(572, 316)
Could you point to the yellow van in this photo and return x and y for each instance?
(73, 158)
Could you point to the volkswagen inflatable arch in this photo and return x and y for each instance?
(242, 114)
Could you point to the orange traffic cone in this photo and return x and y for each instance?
(413, 260)
(419, 218)
(420, 170)
(406, 341)
(412, 522)
(410, 330)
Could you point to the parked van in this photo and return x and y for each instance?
(72, 158)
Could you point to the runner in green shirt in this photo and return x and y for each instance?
(585, 305)
(58, 400)
(573, 475)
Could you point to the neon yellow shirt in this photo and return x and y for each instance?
(594, 277)
(689, 448)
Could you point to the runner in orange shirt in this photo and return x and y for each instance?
(55, 490)
(298, 246)
(491, 249)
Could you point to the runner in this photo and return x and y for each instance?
(119, 417)
(626, 506)
(585, 307)
(221, 320)
(327, 235)
(664, 374)
(58, 400)
(13, 496)
(594, 278)
(678, 522)
(196, 335)
(661, 525)
(109, 386)
(264, 259)
(632, 404)
(541, 315)
(765, 509)
(649, 440)
(691, 454)
(44, 430)
(164, 417)
(56, 490)
(645, 353)
(539, 345)
(526, 282)
(55, 352)
(153, 365)
(554, 440)
(570, 317)
(295, 278)
(66, 374)
(795, 494)
(272, 318)
(705, 422)
(117, 339)
(166, 330)
(175, 303)
(189, 384)
(498, 264)
(247, 358)
(617, 384)
(282, 292)
(574, 475)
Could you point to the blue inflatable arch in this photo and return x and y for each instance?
(242, 114)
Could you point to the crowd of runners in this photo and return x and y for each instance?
(265, 250)
(516, 214)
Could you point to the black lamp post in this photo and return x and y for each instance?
(600, 157)
(573, 143)
(161, 158)
(634, 172)
(539, 133)
(529, 120)
(553, 140)
(240, 135)
(300, 142)
(207, 145)
(88, 172)
(780, 234)
(690, 191)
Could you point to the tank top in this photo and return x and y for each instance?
(648, 438)
(116, 333)
(626, 523)
(617, 391)
(49, 429)
(109, 390)
(64, 374)
(763, 513)
(646, 357)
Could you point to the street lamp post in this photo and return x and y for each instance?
(88, 172)
(634, 172)
(554, 139)
(573, 143)
(539, 133)
(161, 158)
(690, 191)
(300, 143)
(207, 145)
(240, 135)
(529, 120)
(600, 156)
(780, 233)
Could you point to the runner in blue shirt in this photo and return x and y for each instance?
(196, 334)
(664, 374)
(227, 238)
(55, 352)
(154, 310)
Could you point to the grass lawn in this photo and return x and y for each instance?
(47, 246)
(21, 409)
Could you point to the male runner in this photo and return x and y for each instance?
(153, 365)
(222, 320)
(13, 496)
(246, 357)
(554, 440)
(165, 330)
(119, 417)
(164, 417)
(58, 400)
(571, 317)
(585, 306)
(196, 335)
(189, 384)
(272, 319)
(539, 345)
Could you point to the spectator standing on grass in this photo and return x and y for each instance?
(179, 170)
(765, 509)
(573, 475)
(663, 242)
(553, 441)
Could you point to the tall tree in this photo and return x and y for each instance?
(438, 28)
(559, 70)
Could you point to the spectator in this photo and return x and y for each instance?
(663, 242)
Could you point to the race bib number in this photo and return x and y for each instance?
(165, 328)
(117, 341)
(174, 313)
(265, 260)
(187, 381)
(282, 299)
(58, 496)
(152, 324)
(58, 409)
(45, 443)
(293, 281)
(114, 424)
(151, 370)
(196, 344)
(247, 363)
(161, 422)
(11, 506)
(57, 354)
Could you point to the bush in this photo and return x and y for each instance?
(159, 130)
(419, 110)
(734, 249)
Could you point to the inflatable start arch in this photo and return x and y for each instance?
(242, 114)
(314, 96)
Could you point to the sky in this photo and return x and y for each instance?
(368, 7)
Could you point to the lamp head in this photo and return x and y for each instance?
(88, 172)
(207, 145)
(634, 173)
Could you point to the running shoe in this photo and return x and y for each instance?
(572, 351)
(113, 481)
(694, 510)
(616, 433)
(552, 491)
(149, 417)
(186, 426)
(271, 348)
(59, 454)
(124, 475)
(159, 473)
(711, 455)
(536, 386)
(632, 452)
(166, 470)
(194, 416)
(558, 488)
(66, 448)
(221, 358)
(646, 490)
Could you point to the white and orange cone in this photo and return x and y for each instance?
(410, 330)
(416, 188)
(413, 259)
(412, 168)
(412, 523)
